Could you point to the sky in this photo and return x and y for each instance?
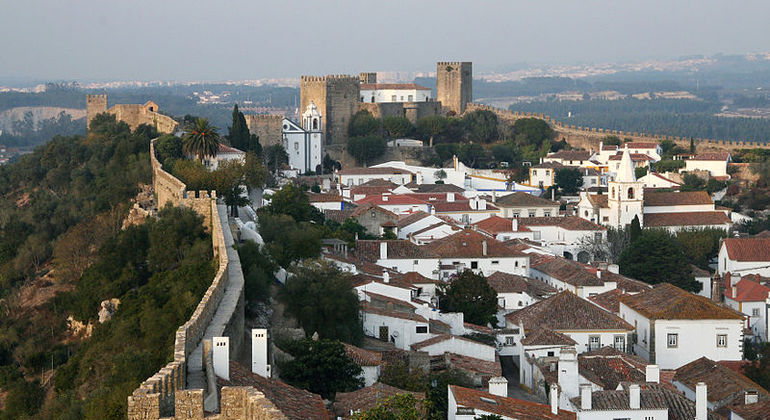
(254, 39)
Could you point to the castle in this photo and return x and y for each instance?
(132, 114)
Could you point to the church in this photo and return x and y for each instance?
(627, 198)
(304, 143)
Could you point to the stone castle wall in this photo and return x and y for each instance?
(163, 395)
(589, 138)
(454, 85)
(132, 114)
(269, 128)
(411, 110)
(337, 97)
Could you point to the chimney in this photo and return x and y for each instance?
(701, 403)
(484, 247)
(598, 274)
(652, 373)
(259, 352)
(634, 393)
(515, 224)
(735, 291)
(585, 396)
(385, 276)
(554, 397)
(222, 357)
(498, 386)
(450, 197)
(482, 204)
(752, 397)
(383, 250)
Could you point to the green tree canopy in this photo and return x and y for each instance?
(700, 245)
(365, 149)
(656, 257)
(293, 201)
(471, 294)
(611, 141)
(321, 367)
(274, 156)
(569, 180)
(322, 299)
(397, 407)
(480, 126)
(239, 135)
(201, 139)
(168, 149)
(364, 124)
(397, 127)
(288, 241)
(532, 131)
(431, 127)
(472, 154)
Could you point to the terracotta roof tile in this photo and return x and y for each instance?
(397, 249)
(689, 218)
(712, 156)
(566, 311)
(568, 271)
(460, 206)
(635, 157)
(748, 249)
(609, 300)
(391, 199)
(338, 216)
(408, 219)
(599, 200)
(324, 198)
(469, 244)
(523, 199)
(682, 198)
(363, 209)
(640, 145)
(223, 148)
(756, 411)
(748, 291)
(368, 398)
(496, 224)
(505, 406)
(373, 171)
(410, 316)
(607, 367)
(566, 222)
(440, 338)
(507, 283)
(666, 301)
(724, 385)
(546, 337)
(471, 364)
(363, 357)
(294, 403)
(570, 155)
(434, 188)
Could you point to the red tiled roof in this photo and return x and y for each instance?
(397, 249)
(324, 198)
(748, 291)
(607, 367)
(414, 277)
(756, 411)
(442, 337)
(664, 178)
(507, 283)
(566, 311)
(390, 199)
(223, 148)
(392, 86)
(666, 301)
(570, 155)
(717, 156)
(609, 300)
(471, 364)
(460, 206)
(748, 249)
(496, 224)
(682, 198)
(373, 171)
(411, 316)
(688, 218)
(635, 157)
(363, 357)
(407, 219)
(724, 385)
(505, 406)
(477, 328)
(599, 200)
(568, 271)
(436, 196)
(367, 398)
(546, 337)
(640, 145)
(566, 222)
(469, 244)
(358, 211)
(294, 403)
(523, 199)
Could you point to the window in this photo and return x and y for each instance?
(393, 98)
(521, 303)
(594, 342)
(474, 265)
(495, 262)
(534, 172)
(374, 214)
(421, 329)
(515, 214)
(755, 312)
(593, 181)
(547, 213)
(501, 302)
(672, 341)
(515, 263)
(515, 330)
(411, 98)
(613, 192)
(550, 354)
(547, 172)
(605, 219)
(630, 193)
(531, 214)
(721, 340)
(509, 341)
(620, 342)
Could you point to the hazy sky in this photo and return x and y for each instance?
(251, 39)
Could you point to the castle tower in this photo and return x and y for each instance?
(337, 98)
(368, 78)
(454, 85)
(95, 104)
(626, 195)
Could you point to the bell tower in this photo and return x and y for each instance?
(626, 195)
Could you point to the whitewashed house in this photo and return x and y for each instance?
(674, 327)
(521, 204)
(650, 149)
(468, 249)
(394, 92)
(467, 404)
(656, 180)
(397, 203)
(570, 157)
(358, 176)
(750, 295)
(543, 175)
(504, 229)
(743, 256)
(225, 153)
(515, 292)
(566, 236)
(713, 162)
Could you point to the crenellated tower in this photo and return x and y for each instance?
(454, 85)
(95, 104)
(337, 99)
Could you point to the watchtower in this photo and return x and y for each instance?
(454, 85)
(368, 78)
(95, 104)
(337, 98)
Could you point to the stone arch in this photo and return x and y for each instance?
(568, 255)
(631, 193)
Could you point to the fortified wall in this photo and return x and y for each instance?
(411, 110)
(589, 138)
(269, 128)
(165, 395)
(132, 114)
(337, 98)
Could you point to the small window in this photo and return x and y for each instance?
(515, 331)
(374, 214)
(521, 303)
(509, 341)
(421, 329)
(594, 342)
(501, 302)
(474, 265)
(416, 262)
(393, 98)
(721, 340)
(630, 193)
(411, 98)
(547, 213)
(613, 192)
(550, 354)
(315, 123)
(534, 172)
(620, 342)
(673, 341)
(495, 262)
(515, 215)
(755, 312)
(605, 219)
(531, 214)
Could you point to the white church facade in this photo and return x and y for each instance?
(304, 143)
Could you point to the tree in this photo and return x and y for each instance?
(700, 245)
(431, 127)
(227, 182)
(440, 176)
(635, 230)
(255, 174)
(471, 154)
(292, 200)
(569, 180)
(663, 166)
(532, 131)
(274, 157)
(397, 407)
(239, 135)
(397, 127)
(507, 152)
(329, 164)
(692, 146)
(759, 371)
(611, 141)
(322, 299)
(364, 124)
(446, 151)
(288, 241)
(321, 367)
(480, 126)
(608, 249)
(201, 139)
(366, 148)
(640, 172)
(471, 294)
(168, 149)
(656, 257)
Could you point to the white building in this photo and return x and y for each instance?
(743, 256)
(674, 327)
(565, 235)
(517, 292)
(656, 180)
(750, 295)
(304, 144)
(522, 204)
(652, 150)
(225, 153)
(358, 176)
(467, 404)
(626, 194)
(713, 162)
(394, 92)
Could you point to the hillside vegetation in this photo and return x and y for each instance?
(61, 211)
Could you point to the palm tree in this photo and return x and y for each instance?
(201, 139)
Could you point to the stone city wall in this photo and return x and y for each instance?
(411, 110)
(589, 138)
(163, 393)
(269, 128)
(337, 98)
(132, 114)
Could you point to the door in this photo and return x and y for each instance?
(384, 336)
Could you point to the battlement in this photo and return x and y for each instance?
(453, 63)
(97, 97)
(330, 77)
